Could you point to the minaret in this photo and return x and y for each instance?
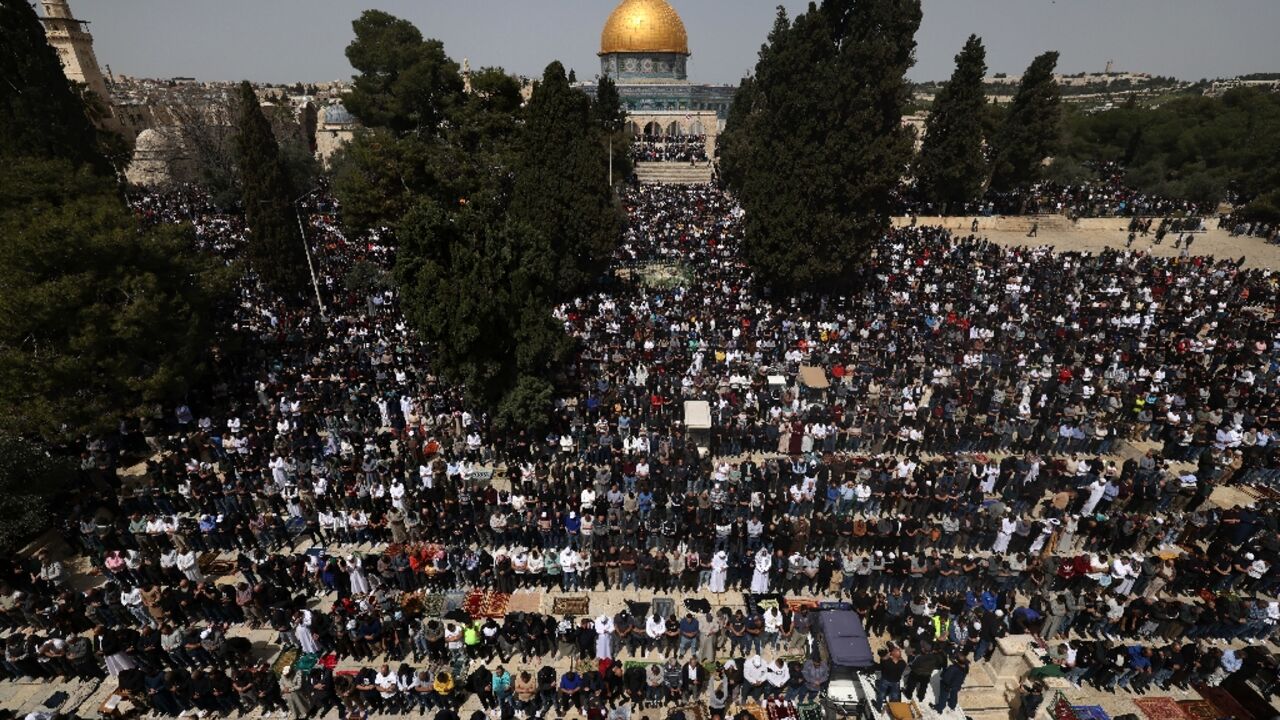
(71, 38)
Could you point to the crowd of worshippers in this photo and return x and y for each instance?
(335, 437)
(669, 148)
(1107, 194)
(1240, 225)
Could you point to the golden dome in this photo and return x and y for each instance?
(644, 26)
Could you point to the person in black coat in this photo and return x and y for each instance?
(953, 677)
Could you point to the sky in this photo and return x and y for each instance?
(303, 40)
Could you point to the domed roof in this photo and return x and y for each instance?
(336, 114)
(644, 26)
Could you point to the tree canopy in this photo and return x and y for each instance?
(30, 480)
(952, 166)
(276, 252)
(1032, 128)
(499, 209)
(1196, 148)
(404, 83)
(98, 320)
(815, 145)
(41, 115)
(565, 193)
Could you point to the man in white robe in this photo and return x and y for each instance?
(760, 578)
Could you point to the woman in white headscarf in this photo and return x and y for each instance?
(760, 578)
(719, 571)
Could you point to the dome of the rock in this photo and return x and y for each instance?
(644, 26)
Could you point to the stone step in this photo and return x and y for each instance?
(672, 173)
(993, 714)
(977, 699)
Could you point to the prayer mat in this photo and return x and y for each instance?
(495, 604)
(810, 711)
(1089, 712)
(485, 604)
(697, 605)
(211, 566)
(285, 659)
(473, 603)
(433, 605)
(763, 601)
(572, 605)
(637, 608)
(1160, 708)
(525, 602)
(1061, 708)
(1224, 702)
(1199, 709)
(795, 604)
(696, 711)
(453, 601)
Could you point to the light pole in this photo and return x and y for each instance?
(302, 229)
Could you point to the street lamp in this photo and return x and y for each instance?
(297, 211)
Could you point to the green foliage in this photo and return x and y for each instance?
(951, 167)
(1032, 128)
(1194, 148)
(815, 145)
(366, 278)
(275, 252)
(405, 84)
(561, 185)
(97, 319)
(608, 110)
(1264, 208)
(475, 283)
(30, 480)
(377, 177)
(499, 209)
(41, 115)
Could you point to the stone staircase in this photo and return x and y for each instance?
(673, 173)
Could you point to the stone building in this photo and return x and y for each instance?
(644, 48)
(335, 128)
(70, 37)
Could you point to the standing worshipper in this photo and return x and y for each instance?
(760, 578)
(112, 650)
(296, 694)
(604, 637)
(359, 583)
(719, 571)
(302, 631)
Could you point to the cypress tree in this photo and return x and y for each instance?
(816, 155)
(952, 168)
(608, 110)
(275, 247)
(1032, 128)
(561, 182)
(40, 114)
